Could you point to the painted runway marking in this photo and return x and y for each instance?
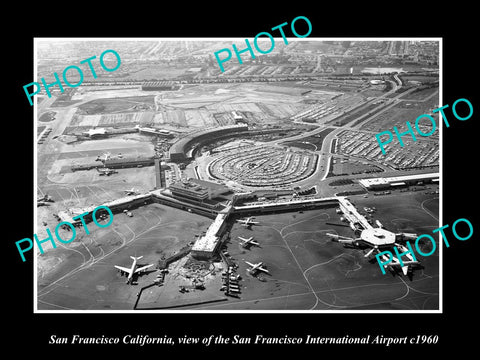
(428, 211)
(300, 268)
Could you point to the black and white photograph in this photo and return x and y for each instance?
(226, 180)
(260, 187)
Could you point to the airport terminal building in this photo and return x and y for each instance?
(178, 151)
(206, 246)
(199, 192)
(395, 181)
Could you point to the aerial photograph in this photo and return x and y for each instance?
(179, 185)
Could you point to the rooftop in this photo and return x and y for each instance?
(397, 179)
(112, 161)
(99, 131)
(189, 186)
(378, 236)
(67, 215)
(210, 184)
(198, 186)
(209, 241)
(180, 145)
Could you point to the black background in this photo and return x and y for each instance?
(456, 24)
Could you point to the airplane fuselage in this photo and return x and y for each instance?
(132, 271)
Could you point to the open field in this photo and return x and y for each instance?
(420, 78)
(420, 95)
(124, 104)
(194, 106)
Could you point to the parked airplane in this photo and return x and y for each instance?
(106, 156)
(379, 224)
(133, 269)
(344, 239)
(132, 191)
(351, 242)
(248, 242)
(395, 264)
(247, 222)
(360, 243)
(256, 268)
(406, 236)
(106, 171)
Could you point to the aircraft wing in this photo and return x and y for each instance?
(346, 241)
(123, 268)
(249, 263)
(143, 268)
(405, 267)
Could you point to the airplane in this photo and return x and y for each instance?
(256, 268)
(347, 241)
(395, 264)
(374, 248)
(133, 269)
(379, 224)
(132, 191)
(106, 157)
(247, 222)
(106, 171)
(248, 242)
(341, 239)
(351, 242)
(406, 236)
(404, 249)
